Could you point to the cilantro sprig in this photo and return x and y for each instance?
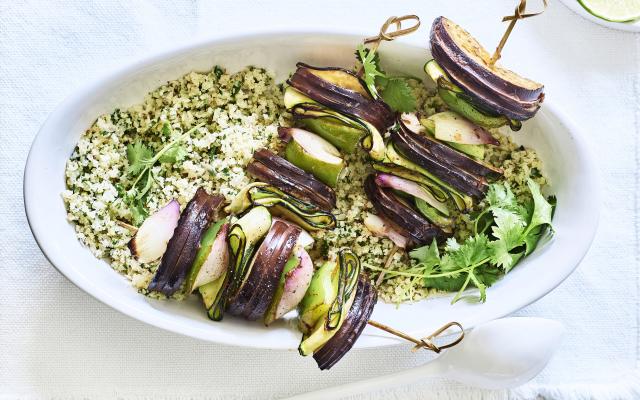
(141, 160)
(511, 230)
(394, 90)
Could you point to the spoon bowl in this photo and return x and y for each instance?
(499, 354)
(503, 353)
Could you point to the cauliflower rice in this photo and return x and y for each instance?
(238, 113)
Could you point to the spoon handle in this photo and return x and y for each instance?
(431, 369)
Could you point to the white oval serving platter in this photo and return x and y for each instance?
(560, 145)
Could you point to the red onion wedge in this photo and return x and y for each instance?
(150, 241)
(412, 188)
(294, 283)
(382, 228)
(184, 244)
(212, 259)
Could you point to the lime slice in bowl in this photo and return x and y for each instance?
(613, 10)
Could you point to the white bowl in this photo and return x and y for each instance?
(559, 144)
(573, 5)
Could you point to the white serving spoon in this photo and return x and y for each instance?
(496, 355)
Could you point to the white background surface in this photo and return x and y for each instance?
(56, 341)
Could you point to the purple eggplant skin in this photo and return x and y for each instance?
(275, 170)
(404, 219)
(413, 148)
(185, 242)
(451, 156)
(488, 89)
(355, 322)
(255, 295)
(346, 101)
(491, 100)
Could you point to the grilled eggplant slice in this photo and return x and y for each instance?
(260, 281)
(467, 65)
(416, 148)
(275, 170)
(312, 82)
(404, 219)
(358, 316)
(462, 201)
(446, 154)
(244, 236)
(183, 245)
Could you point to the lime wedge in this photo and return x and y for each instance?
(613, 10)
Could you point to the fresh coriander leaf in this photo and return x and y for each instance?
(509, 227)
(502, 256)
(166, 129)
(426, 256)
(138, 213)
(144, 184)
(138, 156)
(474, 251)
(174, 154)
(398, 95)
(532, 238)
(542, 210)
(370, 69)
(488, 274)
(446, 283)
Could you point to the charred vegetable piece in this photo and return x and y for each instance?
(379, 227)
(436, 190)
(473, 150)
(326, 327)
(306, 215)
(212, 257)
(451, 127)
(448, 155)
(356, 320)
(342, 99)
(150, 241)
(315, 155)
(434, 215)
(318, 298)
(405, 219)
(415, 148)
(184, 244)
(302, 106)
(294, 282)
(411, 188)
(463, 201)
(209, 291)
(345, 137)
(275, 170)
(261, 279)
(468, 65)
(244, 235)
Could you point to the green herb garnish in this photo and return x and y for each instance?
(141, 161)
(394, 90)
(513, 231)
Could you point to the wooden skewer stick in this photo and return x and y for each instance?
(426, 342)
(389, 36)
(518, 15)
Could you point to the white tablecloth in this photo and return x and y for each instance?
(58, 342)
